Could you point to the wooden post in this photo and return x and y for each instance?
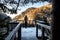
(36, 31)
(43, 29)
(37, 27)
(15, 37)
(56, 20)
(19, 33)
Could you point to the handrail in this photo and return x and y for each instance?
(13, 32)
(45, 30)
(40, 21)
(45, 26)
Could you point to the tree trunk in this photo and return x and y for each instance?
(18, 4)
(56, 20)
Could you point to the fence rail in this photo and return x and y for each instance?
(45, 30)
(45, 26)
(12, 34)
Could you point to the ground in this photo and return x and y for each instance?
(30, 33)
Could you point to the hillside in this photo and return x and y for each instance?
(32, 13)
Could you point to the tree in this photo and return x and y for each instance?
(56, 20)
(3, 7)
(26, 1)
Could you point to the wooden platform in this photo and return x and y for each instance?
(29, 33)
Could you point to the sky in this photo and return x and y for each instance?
(29, 5)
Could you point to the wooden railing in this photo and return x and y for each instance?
(14, 30)
(28, 21)
(12, 34)
(46, 31)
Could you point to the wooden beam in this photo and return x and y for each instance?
(11, 34)
(45, 26)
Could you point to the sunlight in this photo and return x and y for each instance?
(29, 5)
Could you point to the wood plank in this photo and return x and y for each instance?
(45, 26)
(12, 32)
